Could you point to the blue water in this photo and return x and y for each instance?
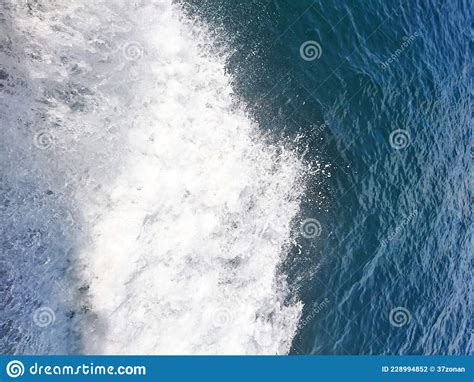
(391, 271)
(103, 103)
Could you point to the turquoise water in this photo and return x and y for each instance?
(383, 112)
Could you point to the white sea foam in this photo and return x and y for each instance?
(182, 211)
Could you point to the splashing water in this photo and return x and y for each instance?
(172, 212)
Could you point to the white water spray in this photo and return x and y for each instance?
(182, 212)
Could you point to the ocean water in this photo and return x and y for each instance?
(385, 101)
(236, 177)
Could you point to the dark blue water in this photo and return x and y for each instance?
(383, 114)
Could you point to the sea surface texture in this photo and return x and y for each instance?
(236, 177)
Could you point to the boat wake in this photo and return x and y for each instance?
(154, 213)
